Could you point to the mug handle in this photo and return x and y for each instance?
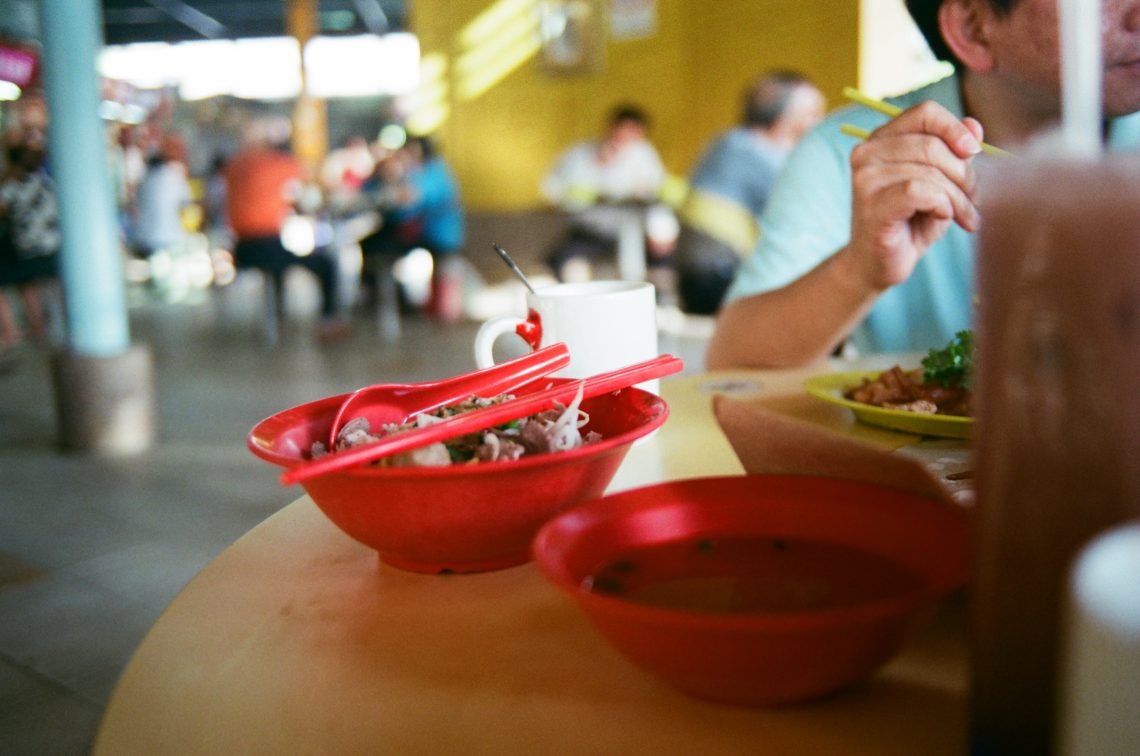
(489, 333)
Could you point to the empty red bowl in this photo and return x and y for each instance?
(757, 589)
(461, 518)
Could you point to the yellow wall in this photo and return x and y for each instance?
(689, 76)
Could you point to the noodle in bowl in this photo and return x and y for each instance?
(461, 517)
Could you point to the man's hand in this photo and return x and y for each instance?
(910, 180)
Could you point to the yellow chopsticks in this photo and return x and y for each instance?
(854, 131)
(853, 94)
(892, 110)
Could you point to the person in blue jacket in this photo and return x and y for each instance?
(421, 207)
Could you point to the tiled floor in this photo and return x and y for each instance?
(92, 549)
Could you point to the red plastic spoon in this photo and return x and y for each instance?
(470, 422)
(395, 402)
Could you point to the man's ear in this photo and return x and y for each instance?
(964, 29)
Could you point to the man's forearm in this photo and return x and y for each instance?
(797, 324)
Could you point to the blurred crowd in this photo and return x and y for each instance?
(373, 203)
(261, 208)
(258, 207)
(691, 242)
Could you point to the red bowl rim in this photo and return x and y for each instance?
(330, 403)
(602, 603)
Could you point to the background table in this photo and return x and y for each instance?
(296, 639)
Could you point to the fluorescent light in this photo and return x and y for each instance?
(149, 65)
(267, 69)
(270, 68)
(206, 67)
(362, 65)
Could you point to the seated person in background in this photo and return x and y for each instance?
(872, 242)
(420, 205)
(263, 184)
(622, 167)
(160, 198)
(345, 170)
(730, 186)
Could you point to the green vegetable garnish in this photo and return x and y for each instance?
(952, 366)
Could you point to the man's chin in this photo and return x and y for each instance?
(1114, 109)
(1122, 90)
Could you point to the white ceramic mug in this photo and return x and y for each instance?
(605, 324)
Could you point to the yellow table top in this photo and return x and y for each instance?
(296, 639)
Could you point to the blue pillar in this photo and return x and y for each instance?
(104, 386)
(91, 267)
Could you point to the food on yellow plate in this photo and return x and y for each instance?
(553, 430)
(906, 390)
(942, 386)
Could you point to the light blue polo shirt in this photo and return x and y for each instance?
(808, 219)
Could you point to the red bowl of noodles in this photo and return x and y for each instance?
(461, 517)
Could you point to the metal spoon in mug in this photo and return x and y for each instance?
(514, 268)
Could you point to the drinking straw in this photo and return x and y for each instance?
(853, 94)
(1081, 71)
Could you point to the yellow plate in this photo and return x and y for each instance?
(830, 388)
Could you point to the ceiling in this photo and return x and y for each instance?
(127, 21)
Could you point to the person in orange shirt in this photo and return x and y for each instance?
(263, 183)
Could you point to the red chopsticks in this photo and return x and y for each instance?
(470, 422)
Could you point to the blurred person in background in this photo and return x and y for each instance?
(730, 186)
(419, 201)
(349, 213)
(217, 221)
(592, 180)
(345, 170)
(128, 166)
(872, 243)
(160, 198)
(30, 220)
(263, 187)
